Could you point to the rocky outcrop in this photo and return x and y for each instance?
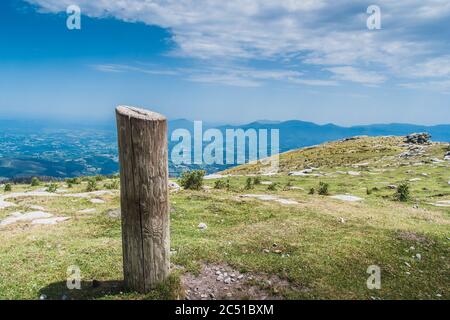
(418, 138)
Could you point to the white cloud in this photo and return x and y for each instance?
(348, 73)
(434, 67)
(227, 75)
(318, 32)
(442, 86)
(315, 82)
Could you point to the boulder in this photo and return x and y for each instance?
(418, 138)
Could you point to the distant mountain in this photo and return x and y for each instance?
(295, 134)
(37, 148)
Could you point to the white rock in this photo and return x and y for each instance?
(345, 197)
(419, 256)
(89, 194)
(265, 197)
(354, 173)
(414, 179)
(89, 210)
(202, 226)
(443, 203)
(54, 220)
(227, 280)
(97, 201)
(39, 208)
(29, 216)
(174, 186)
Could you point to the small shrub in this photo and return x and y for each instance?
(113, 185)
(312, 191)
(368, 191)
(52, 187)
(35, 182)
(73, 181)
(248, 184)
(256, 180)
(323, 189)
(8, 187)
(220, 184)
(272, 187)
(91, 185)
(227, 185)
(402, 193)
(99, 178)
(192, 180)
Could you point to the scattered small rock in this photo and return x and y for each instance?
(202, 226)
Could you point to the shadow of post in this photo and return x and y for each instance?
(89, 290)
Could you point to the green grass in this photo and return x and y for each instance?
(309, 246)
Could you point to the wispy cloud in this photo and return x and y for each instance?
(119, 68)
(442, 86)
(348, 73)
(327, 33)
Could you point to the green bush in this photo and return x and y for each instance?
(312, 191)
(52, 187)
(35, 182)
(256, 180)
(323, 189)
(91, 185)
(73, 181)
(402, 193)
(220, 184)
(248, 184)
(272, 187)
(8, 187)
(368, 191)
(192, 180)
(113, 185)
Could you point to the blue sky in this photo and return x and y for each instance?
(227, 61)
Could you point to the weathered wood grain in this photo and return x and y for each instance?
(143, 156)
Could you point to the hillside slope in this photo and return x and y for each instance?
(374, 152)
(243, 238)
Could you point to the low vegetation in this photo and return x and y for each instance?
(35, 182)
(402, 193)
(192, 180)
(319, 246)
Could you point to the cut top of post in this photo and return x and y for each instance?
(139, 113)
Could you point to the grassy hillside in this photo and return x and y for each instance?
(273, 240)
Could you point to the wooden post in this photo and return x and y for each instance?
(143, 157)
